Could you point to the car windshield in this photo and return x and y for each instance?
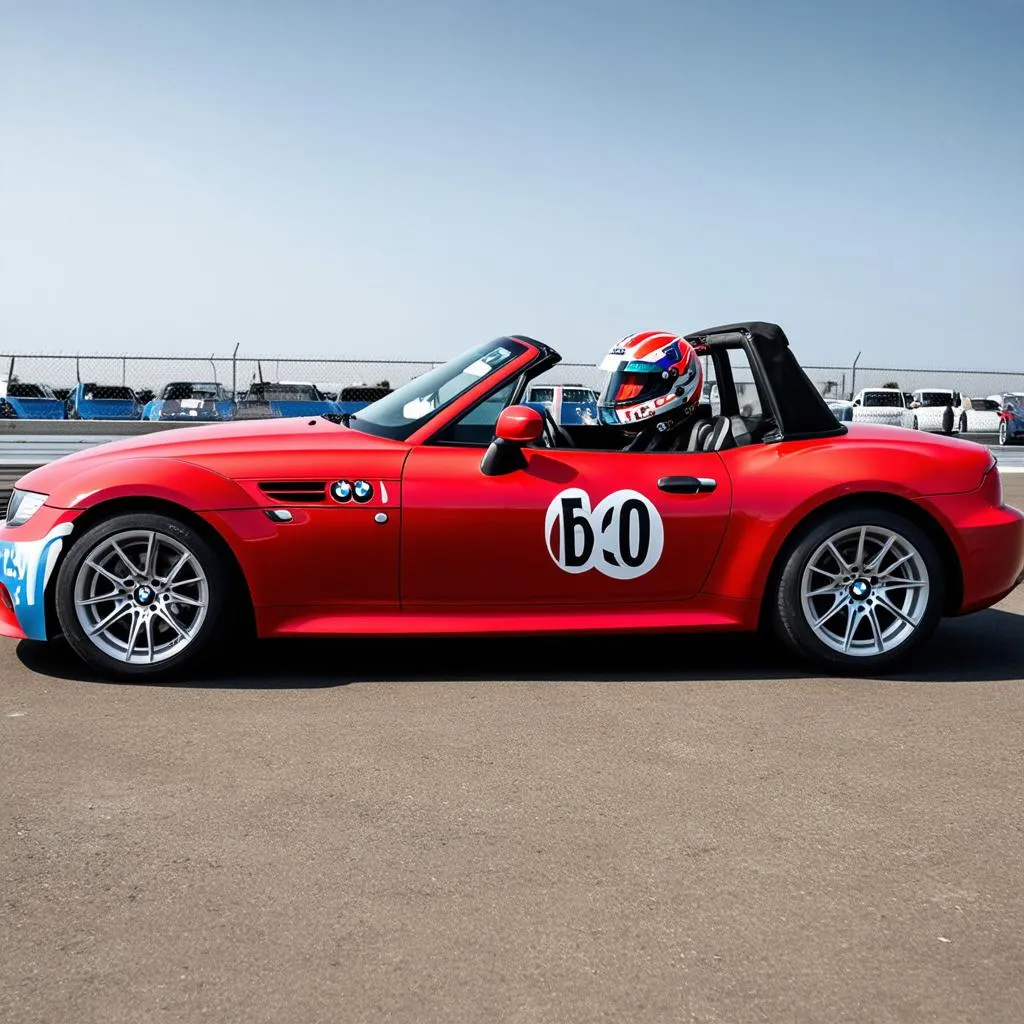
(397, 415)
(18, 390)
(932, 399)
(108, 393)
(578, 395)
(883, 398)
(984, 405)
(187, 389)
(283, 393)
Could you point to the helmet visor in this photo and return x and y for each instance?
(632, 385)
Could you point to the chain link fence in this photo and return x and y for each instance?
(245, 383)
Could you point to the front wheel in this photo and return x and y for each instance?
(1003, 437)
(860, 593)
(141, 595)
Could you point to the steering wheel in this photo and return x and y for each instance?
(554, 436)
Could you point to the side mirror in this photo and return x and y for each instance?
(518, 425)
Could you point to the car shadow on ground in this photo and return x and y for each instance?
(985, 647)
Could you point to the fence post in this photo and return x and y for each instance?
(213, 366)
(124, 361)
(234, 372)
(853, 377)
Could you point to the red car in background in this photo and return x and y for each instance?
(447, 507)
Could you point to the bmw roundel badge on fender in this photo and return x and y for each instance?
(362, 491)
(341, 490)
(623, 537)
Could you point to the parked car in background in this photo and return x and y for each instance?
(937, 409)
(979, 415)
(190, 400)
(887, 406)
(357, 396)
(570, 405)
(283, 398)
(1011, 417)
(842, 409)
(90, 401)
(23, 401)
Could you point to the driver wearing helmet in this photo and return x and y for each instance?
(654, 386)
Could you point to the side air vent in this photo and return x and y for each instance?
(295, 492)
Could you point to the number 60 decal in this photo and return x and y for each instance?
(622, 537)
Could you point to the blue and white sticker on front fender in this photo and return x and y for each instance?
(25, 569)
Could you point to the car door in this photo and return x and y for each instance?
(572, 528)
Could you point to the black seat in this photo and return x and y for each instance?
(720, 435)
(699, 428)
(698, 436)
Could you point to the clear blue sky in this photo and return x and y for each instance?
(403, 179)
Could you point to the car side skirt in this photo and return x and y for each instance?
(709, 614)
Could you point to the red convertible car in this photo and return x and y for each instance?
(447, 507)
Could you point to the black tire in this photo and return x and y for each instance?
(789, 618)
(1004, 438)
(914, 427)
(963, 424)
(211, 634)
(947, 420)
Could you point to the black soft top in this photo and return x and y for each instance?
(799, 409)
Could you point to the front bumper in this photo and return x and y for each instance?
(28, 557)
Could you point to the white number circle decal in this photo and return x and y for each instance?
(623, 537)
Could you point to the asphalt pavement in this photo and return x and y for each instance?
(670, 829)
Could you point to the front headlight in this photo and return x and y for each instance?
(23, 506)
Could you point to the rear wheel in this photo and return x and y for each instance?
(860, 593)
(963, 424)
(1003, 438)
(142, 595)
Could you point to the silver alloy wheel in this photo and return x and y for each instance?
(864, 591)
(141, 596)
(1002, 432)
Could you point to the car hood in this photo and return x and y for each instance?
(278, 449)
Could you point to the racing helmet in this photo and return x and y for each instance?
(653, 375)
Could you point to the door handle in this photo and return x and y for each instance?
(687, 484)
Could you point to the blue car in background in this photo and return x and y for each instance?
(92, 401)
(1011, 417)
(23, 401)
(570, 405)
(190, 402)
(282, 398)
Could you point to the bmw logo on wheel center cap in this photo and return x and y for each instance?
(144, 595)
(860, 589)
